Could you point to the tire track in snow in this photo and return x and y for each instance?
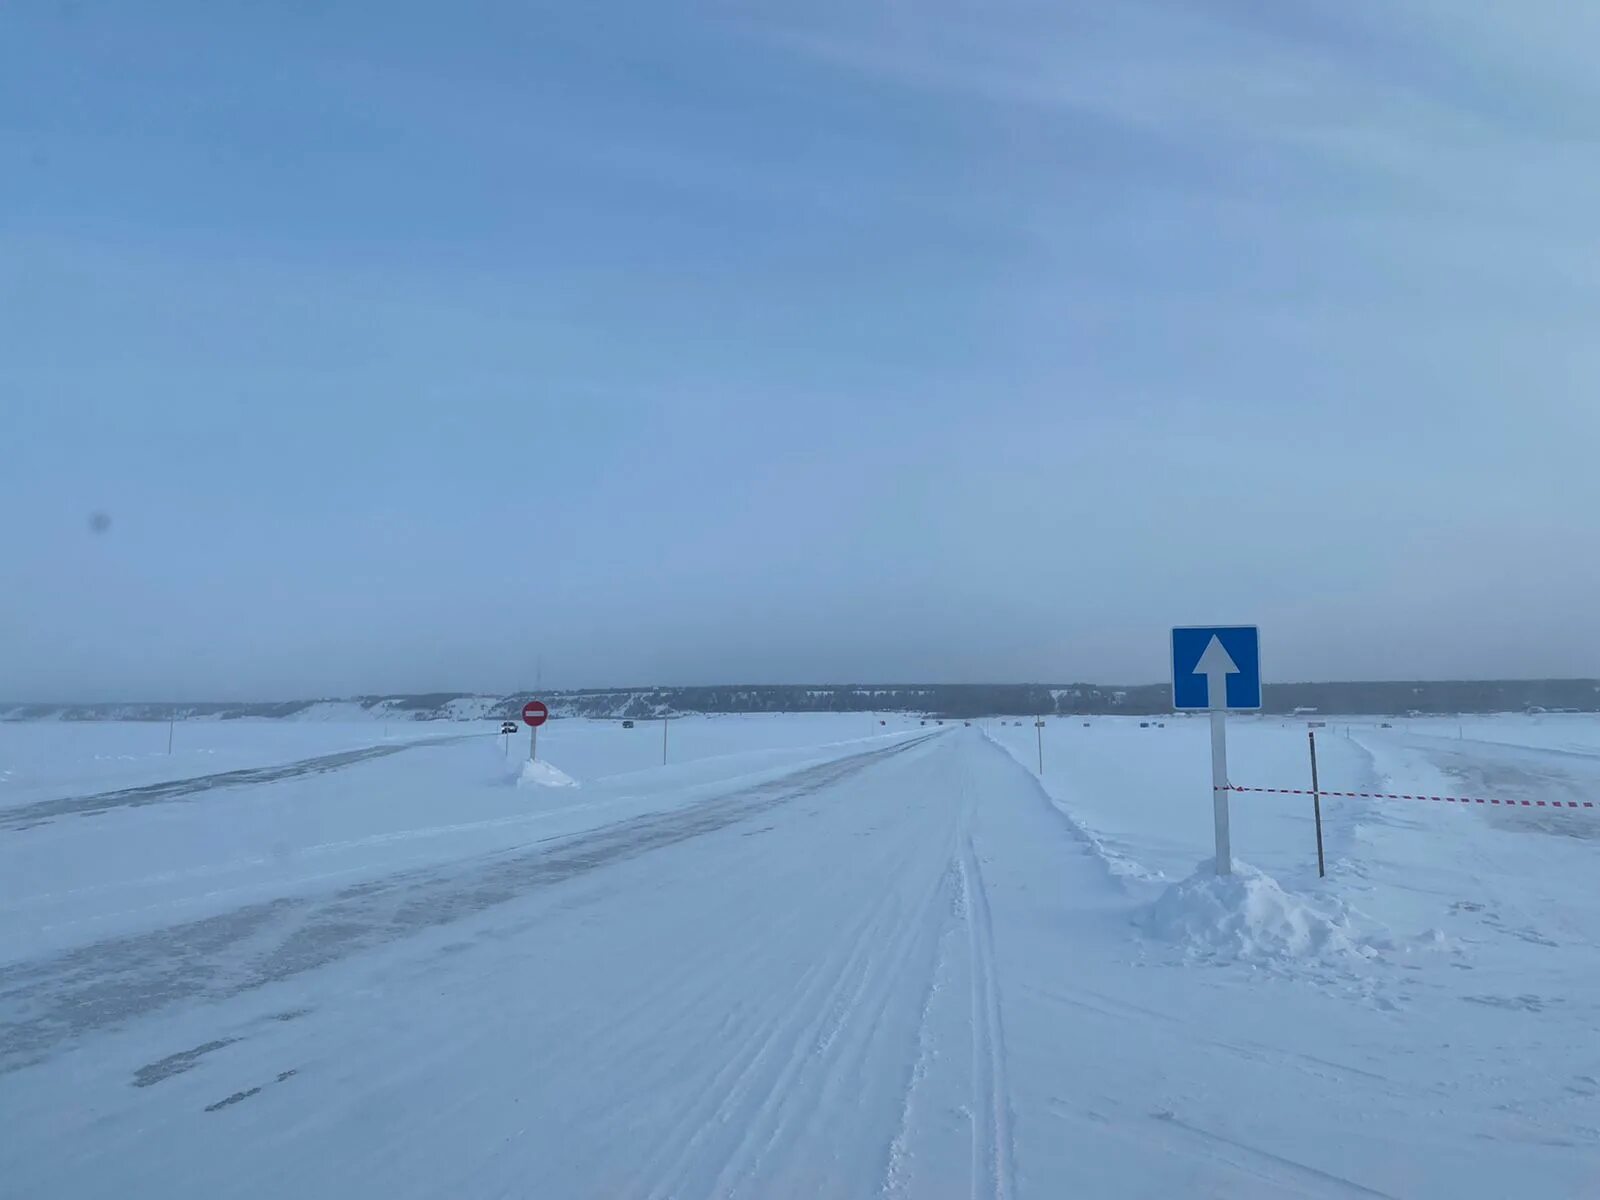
(991, 1107)
(955, 1104)
(897, 1181)
(797, 1068)
(739, 1077)
(842, 1037)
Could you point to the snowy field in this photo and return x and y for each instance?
(810, 956)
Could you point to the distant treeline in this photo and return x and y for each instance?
(941, 699)
(980, 699)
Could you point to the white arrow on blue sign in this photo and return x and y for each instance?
(1216, 666)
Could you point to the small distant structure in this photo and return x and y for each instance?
(1302, 711)
(627, 724)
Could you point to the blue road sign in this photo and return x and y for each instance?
(1207, 659)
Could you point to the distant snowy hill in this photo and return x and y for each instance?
(951, 700)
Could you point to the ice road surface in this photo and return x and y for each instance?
(810, 956)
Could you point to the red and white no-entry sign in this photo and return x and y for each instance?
(535, 713)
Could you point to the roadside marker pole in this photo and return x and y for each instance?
(1316, 803)
(1038, 727)
(170, 722)
(664, 721)
(533, 743)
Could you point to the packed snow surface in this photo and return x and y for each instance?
(808, 956)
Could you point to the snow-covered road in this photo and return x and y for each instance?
(892, 967)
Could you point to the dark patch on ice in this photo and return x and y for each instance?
(53, 1001)
(233, 1099)
(1523, 1003)
(28, 816)
(248, 1092)
(1531, 773)
(177, 1064)
(293, 1014)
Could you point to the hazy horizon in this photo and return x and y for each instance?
(743, 683)
(349, 355)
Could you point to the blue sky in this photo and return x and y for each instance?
(676, 343)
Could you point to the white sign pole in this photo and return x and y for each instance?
(1216, 666)
(1219, 787)
(533, 743)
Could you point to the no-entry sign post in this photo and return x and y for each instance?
(534, 714)
(1217, 667)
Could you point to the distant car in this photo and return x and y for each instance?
(627, 724)
(1086, 724)
(508, 726)
(966, 722)
(883, 722)
(1144, 724)
(1385, 725)
(921, 722)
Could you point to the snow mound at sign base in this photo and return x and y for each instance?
(541, 774)
(1248, 917)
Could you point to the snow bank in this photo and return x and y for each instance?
(542, 774)
(1248, 917)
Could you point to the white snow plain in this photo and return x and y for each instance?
(811, 956)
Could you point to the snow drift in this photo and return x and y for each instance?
(538, 773)
(1248, 917)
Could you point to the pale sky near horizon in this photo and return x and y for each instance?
(410, 348)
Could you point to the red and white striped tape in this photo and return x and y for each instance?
(1441, 799)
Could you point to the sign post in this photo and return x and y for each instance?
(1217, 668)
(1316, 803)
(534, 714)
(1038, 728)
